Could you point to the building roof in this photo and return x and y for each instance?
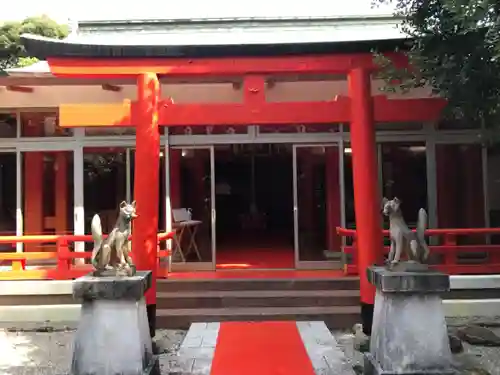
(219, 38)
(221, 9)
(243, 31)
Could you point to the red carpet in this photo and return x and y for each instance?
(260, 348)
(254, 258)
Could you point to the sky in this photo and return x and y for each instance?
(62, 11)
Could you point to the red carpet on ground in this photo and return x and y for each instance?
(260, 348)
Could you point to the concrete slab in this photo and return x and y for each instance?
(35, 287)
(326, 355)
(197, 350)
(35, 313)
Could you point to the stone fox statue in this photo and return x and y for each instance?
(113, 253)
(403, 240)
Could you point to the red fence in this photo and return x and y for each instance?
(65, 266)
(446, 257)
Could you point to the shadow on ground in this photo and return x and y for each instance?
(49, 353)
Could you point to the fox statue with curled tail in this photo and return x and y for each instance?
(403, 240)
(111, 256)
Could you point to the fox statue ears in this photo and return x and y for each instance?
(395, 200)
(124, 204)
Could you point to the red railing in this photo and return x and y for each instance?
(446, 256)
(65, 267)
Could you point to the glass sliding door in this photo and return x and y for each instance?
(461, 188)
(103, 178)
(9, 198)
(317, 206)
(464, 174)
(191, 194)
(104, 186)
(404, 175)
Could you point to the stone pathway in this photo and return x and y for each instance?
(196, 352)
(323, 349)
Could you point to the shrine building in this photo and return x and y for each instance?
(272, 133)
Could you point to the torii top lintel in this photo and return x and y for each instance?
(67, 59)
(250, 62)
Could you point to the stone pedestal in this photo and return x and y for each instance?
(409, 334)
(113, 334)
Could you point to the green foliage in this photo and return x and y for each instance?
(97, 165)
(455, 49)
(26, 61)
(12, 53)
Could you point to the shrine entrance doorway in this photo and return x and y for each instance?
(268, 205)
(254, 203)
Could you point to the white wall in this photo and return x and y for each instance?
(53, 96)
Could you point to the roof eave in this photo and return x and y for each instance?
(44, 48)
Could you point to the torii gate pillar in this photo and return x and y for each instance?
(366, 191)
(146, 185)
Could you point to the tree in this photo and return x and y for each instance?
(454, 49)
(12, 53)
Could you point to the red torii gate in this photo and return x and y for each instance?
(359, 109)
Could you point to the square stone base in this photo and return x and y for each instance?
(409, 333)
(426, 281)
(113, 338)
(372, 367)
(113, 332)
(91, 287)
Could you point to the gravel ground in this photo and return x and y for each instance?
(31, 352)
(467, 363)
(49, 353)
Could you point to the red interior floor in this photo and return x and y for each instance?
(260, 348)
(256, 274)
(255, 252)
(255, 258)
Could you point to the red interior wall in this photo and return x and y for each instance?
(35, 221)
(33, 182)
